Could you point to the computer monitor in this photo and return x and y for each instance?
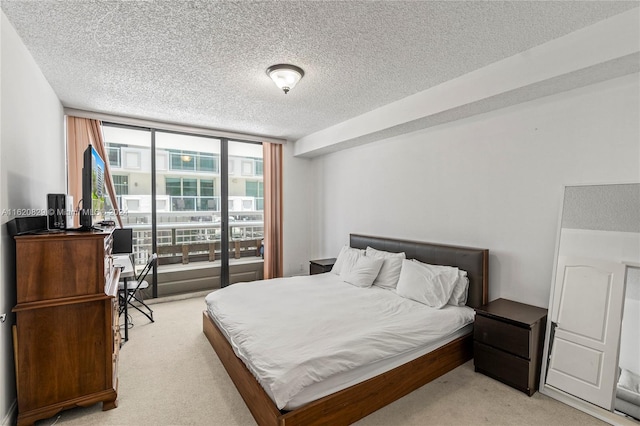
(93, 192)
(122, 241)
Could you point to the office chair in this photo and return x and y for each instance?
(132, 292)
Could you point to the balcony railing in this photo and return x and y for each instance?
(189, 203)
(197, 252)
(195, 203)
(193, 242)
(192, 161)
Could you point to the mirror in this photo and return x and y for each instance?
(628, 387)
(592, 347)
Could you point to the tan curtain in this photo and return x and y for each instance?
(77, 141)
(272, 157)
(80, 133)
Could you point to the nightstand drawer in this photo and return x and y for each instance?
(321, 266)
(317, 269)
(502, 335)
(502, 366)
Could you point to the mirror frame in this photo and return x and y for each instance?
(564, 397)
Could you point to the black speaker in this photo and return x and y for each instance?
(25, 225)
(57, 211)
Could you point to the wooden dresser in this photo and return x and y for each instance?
(508, 339)
(67, 336)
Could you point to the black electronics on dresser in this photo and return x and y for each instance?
(25, 225)
(122, 241)
(57, 211)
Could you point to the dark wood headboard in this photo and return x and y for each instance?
(473, 260)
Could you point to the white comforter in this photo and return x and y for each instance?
(292, 332)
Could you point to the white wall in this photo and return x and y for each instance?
(493, 180)
(298, 212)
(32, 160)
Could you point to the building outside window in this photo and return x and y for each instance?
(206, 163)
(189, 194)
(193, 161)
(256, 189)
(121, 185)
(182, 160)
(207, 202)
(115, 154)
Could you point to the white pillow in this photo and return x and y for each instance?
(347, 256)
(363, 272)
(461, 288)
(426, 284)
(390, 271)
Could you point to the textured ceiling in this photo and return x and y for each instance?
(203, 63)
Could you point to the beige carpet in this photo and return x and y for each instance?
(170, 375)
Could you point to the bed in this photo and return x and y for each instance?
(364, 397)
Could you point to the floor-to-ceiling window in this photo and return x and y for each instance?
(129, 151)
(173, 201)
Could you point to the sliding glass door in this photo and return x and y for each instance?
(195, 200)
(245, 209)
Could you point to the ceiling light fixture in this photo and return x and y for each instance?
(285, 76)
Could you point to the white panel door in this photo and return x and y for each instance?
(586, 316)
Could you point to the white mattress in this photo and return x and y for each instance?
(306, 337)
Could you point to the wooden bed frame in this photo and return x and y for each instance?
(351, 404)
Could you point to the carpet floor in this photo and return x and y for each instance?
(170, 375)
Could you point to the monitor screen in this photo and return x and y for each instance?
(122, 241)
(93, 193)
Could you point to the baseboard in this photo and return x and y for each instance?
(10, 418)
(176, 297)
(584, 406)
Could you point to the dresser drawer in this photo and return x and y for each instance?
(502, 366)
(502, 335)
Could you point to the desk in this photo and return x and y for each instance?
(123, 261)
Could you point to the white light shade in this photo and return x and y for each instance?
(285, 76)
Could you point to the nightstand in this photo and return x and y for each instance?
(507, 343)
(321, 266)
